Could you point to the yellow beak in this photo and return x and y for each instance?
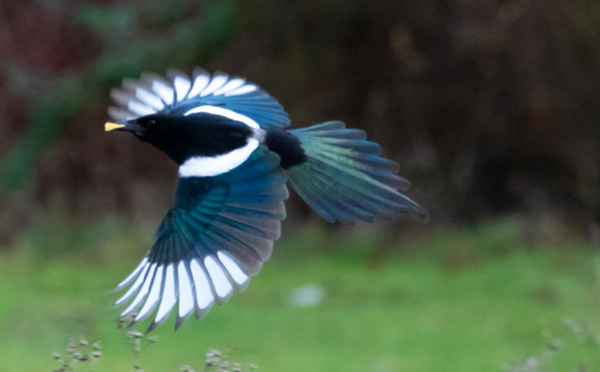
(112, 126)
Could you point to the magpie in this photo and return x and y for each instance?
(235, 152)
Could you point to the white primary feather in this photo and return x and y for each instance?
(234, 270)
(143, 292)
(168, 299)
(186, 296)
(153, 296)
(203, 292)
(230, 86)
(164, 91)
(130, 277)
(182, 87)
(155, 93)
(134, 286)
(200, 82)
(139, 108)
(149, 98)
(220, 282)
(217, 82)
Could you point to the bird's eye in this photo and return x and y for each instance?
(151, 123)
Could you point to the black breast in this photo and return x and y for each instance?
(288, 147)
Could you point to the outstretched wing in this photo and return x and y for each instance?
(178, 94)
(212, 241)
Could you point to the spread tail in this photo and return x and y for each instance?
(345, 178)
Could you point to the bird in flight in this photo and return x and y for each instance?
(235, 152)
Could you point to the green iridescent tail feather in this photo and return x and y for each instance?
(346, 179)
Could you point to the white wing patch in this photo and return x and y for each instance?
(195, 284)
(182, 86)
(207, 166)
(139, 108)
(168, 297)
(234, 270)
(204, 295)
(223, 288)
(153, 296)
(134, 287)
(200, 83)
(134, 273)
(152, 93)
(149, 99)
(164, 91)
(186, 296)
(147, 279)
(231, 85)
(217, 82)
(223, 112)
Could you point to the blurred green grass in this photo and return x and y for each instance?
(472, 299)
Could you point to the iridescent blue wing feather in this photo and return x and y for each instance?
(345, 178)
(217, 235)
(179, 94)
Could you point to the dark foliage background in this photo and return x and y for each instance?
(489, 106)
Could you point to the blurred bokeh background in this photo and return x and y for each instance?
(490, 107)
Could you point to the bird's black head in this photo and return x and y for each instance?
(183, 137)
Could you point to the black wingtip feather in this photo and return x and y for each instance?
(178, 323)
(152, 327)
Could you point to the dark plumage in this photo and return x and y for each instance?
(235, 155)
(287, 146)
(182, 137)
